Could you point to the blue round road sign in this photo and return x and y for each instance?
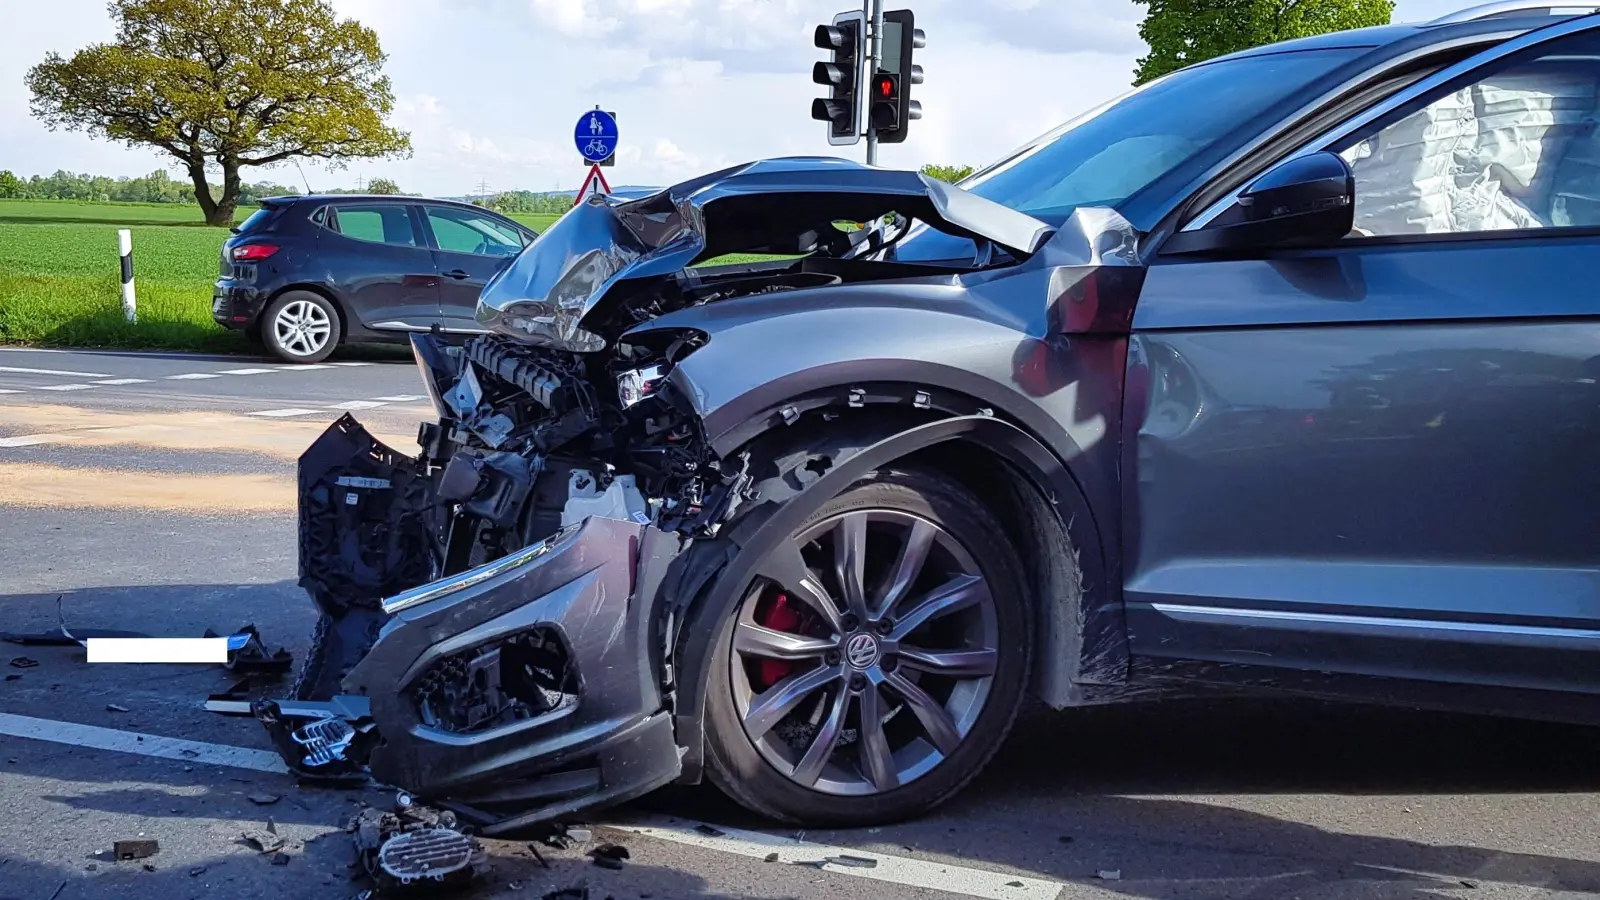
(596, 135)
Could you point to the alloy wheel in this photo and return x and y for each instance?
(302, 327)
(864, 653)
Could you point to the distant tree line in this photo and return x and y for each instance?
(526, 202)
(157, 187)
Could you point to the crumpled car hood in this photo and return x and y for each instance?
(780, 206)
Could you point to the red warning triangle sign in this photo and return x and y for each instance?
(593, 185)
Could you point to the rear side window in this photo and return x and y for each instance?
(376, 223)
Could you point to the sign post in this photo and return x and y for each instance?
(596, 140)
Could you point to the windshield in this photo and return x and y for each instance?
(1107, 155)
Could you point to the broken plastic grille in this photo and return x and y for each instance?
(432, 853)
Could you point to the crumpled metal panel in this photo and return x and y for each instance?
(784, 206)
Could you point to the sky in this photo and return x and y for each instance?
(490, 90)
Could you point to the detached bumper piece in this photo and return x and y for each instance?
(520, 691)
(415, 847)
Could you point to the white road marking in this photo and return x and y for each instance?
(212, 651)
(918, 873)
(124, 381)
(96, 738)
(350, 364)
(192, 376)
(65, 387)
(8, 391)
(400, 398)
(305, 368)
(28, 440)
(358, 404)
(927, 874)
(284, 413)
(66, 374)
(245, 371)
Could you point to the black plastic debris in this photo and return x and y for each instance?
(854, 862)
(322, 743)
(710, 830)
(235, 701)
(251, 658)
(149, 867)
(771, 857)
(1015, 884)
(13, 677)
(571, 893)
(264, 799)
(22, 662)
(538, 857)
(197, 871)
(609, 856)
(135, 849)
(60, 638)
(113, 707)
(280, 859)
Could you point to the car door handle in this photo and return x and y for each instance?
(458, 274)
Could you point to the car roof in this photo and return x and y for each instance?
(1412, 33)
(289, 199)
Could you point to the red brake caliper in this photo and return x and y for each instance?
(779, 615)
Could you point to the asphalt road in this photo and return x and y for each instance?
(157, 500)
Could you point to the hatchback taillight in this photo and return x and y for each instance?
(253, 252)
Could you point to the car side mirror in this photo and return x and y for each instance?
(1305, 201)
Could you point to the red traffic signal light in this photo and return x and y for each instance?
(884, 87)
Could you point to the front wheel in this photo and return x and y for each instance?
(878, 663)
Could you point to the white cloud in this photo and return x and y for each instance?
(490, 89)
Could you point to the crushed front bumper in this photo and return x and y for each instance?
(567, 632)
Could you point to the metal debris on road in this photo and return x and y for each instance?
(112, 707)
(538, 857)
(135, 849)
(413, 845)
(22, 662)
(1109, 874)
(265, 840)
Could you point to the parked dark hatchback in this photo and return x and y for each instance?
(304, 274)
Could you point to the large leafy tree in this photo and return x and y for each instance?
(225, 84)
(1184, 32)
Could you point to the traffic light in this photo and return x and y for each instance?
(891, 106)
(845, 40)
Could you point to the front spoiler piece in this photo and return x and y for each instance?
(604, 739)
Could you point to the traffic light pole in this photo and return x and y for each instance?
(874, 11)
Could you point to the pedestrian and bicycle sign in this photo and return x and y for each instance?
(596, 136)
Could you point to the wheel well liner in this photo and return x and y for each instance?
(854, 448)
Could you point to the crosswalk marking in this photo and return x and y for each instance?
(192, 376)
(66, 374)
(400, 398)
(117, 381)
(357, 404)
(65, 387)
(245, 371)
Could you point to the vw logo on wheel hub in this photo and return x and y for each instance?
(861, 651)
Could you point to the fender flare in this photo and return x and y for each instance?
(699, 609)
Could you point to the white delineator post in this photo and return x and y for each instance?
(125, 248)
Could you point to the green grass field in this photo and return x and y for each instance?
(60, 283)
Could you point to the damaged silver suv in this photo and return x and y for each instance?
(1292, 392)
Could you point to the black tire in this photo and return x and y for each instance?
(283, 340)
(737, 767)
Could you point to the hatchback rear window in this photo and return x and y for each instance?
(257, 220)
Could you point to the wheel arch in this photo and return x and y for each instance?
(1080, 631)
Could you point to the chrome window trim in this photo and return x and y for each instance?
(1521, 39)
(1486, 630)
